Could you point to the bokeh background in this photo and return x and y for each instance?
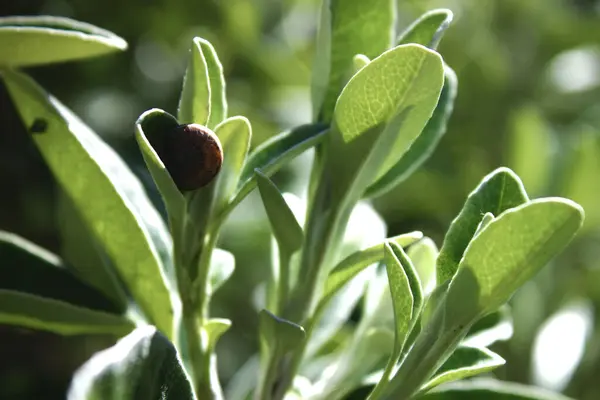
(529, 98)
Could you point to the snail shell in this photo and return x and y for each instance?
(193, 156)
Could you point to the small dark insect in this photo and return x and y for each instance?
(39, 125)
(192, 154)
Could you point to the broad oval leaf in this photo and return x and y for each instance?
(464, 362)
(35, 312)
(513, 247)
(428, 29)
(35, 40)
(285, 226)
(110, 198)
(407, 77)
(346, 28)
(195, 99)
(26, 267)
(492, 389)
(143, 365)
(424, 145)
(497, 192)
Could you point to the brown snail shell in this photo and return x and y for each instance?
(193, 156)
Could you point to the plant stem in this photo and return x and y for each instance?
(432, 347)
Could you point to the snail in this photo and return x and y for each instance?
(192, 154)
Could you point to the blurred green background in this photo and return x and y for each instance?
(529, 98)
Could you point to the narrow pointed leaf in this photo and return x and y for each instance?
(516, 245)
(356, 262)
(412, 276)
(218, 100)
(497, 192)
(425, 144)
(428, 29)
(465, 362)
(35, 40)
(270, 156)
(402, 303)
(35, 312)
(108, 195)
(194, 103)
(142, 365)
(485, 388)
(347, 28)
(235, 134)
(286, 229)
(27, 268)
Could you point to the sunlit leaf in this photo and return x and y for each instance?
(35, 40)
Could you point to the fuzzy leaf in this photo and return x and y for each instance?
(35, 312)
(35, 40)
(497, 192)
(110, 198)
(346, 28)
(143, 365)
(428, 29)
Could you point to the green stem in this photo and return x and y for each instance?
(201, 283)
(432, 347)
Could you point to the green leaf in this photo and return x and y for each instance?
(142, 365)
(356, 262)
(407, 76)
(346, 28)
(403, 302)
(412, 276)
(218, 100)
(110, 198)
(512, 248)
(26, 267)
(27, 41)
(425, 144)
(497, 192)
(493, 327)
(271, 155)
(196, 95)
(428, 29)
(360, 61)
(222, 265)
(35, 312)
(485, 388)
(465, 362)
(278, 333)
(151, 130)
(215, 328)
(234, 134)
(362, 358)
(81, 251)
(286, 229)
(423, 255)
